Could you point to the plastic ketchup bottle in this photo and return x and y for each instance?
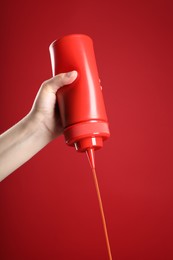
(81, 103)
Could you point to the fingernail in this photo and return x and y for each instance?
(71, 73)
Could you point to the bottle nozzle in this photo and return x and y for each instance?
(89, 145)
(90, 155)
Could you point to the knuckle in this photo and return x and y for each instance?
(45, 86)
(45, 83)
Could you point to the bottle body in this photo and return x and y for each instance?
(81, 104)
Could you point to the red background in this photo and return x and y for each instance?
(48, 207)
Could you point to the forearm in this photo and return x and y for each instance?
(20, 143)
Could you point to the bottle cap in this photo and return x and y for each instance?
(84, 144)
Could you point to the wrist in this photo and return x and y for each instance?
(37, 124)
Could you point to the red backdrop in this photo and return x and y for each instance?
(48, 207)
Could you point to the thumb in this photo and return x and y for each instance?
(60, 80)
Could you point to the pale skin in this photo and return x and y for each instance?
(38, 128)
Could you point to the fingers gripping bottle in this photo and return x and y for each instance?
(81, 103)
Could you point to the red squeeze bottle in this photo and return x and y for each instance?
(81, 103)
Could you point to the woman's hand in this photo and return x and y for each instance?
(45, 108)
(36, 130)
